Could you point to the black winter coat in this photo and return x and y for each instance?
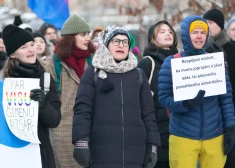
(229, 53)
(162, 118)
(119, 124)
(229, 49)
(49, 115)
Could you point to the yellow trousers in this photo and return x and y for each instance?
(185, 152)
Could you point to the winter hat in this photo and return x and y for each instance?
(109, 32)
(74, 25)
(17, 20)
(185, 35)
(38, 34)
(216, 16)
(198, 24)
(229, 22)
(152, 28)
(97, 29)
(26, 27)
(45, 26)
(14, 37)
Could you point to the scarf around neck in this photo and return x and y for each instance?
(159, 53)
(220, 39)
(28, 70)
(104, 61)
(77, 60)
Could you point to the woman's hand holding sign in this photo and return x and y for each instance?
(197, 101)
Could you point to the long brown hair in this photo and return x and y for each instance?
(65, 45)
(10, 65)
(63, 48)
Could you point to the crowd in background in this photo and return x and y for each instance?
(111, 105)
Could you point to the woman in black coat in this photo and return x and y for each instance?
(162, 43)
(114, 123)
(22, 63)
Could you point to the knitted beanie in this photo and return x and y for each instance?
(14, 37)
(216, 16)
(229, 22)
(109, 32)
(75, 25)
(17, 20)
(26, 27)
(38, 34)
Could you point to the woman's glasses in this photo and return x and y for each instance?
(117, 42)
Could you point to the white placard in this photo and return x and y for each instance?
(20, 111)
(201, 72)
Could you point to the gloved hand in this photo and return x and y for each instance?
(197, 101)
(229, 139)
(38, 95)
(81, 152)
(150, 156)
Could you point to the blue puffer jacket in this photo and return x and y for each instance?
(206, 121)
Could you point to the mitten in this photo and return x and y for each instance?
(38, 95)
(150, 156)
(197, 101)
(81, 152)
(229, 139)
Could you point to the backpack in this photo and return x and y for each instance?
(178, 55)
(47, 81)
(152, 69)
(139, 73)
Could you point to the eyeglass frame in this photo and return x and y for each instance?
(119, 41)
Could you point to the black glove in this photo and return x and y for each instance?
(38, 95)
(229, 139)
(81, 152)
(150, 156)
(197, 101)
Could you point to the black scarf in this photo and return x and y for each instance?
(28, 70)
(159, 53)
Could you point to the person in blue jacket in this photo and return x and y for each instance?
(202, 128)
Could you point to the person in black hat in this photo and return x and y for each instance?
(42, 47)
(49, 31)
(22, 63)
(215, 19)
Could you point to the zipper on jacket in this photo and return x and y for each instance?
(202, 122)
(123, 129)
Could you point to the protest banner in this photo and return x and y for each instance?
(200, 72)
(20, 111)
(15, 152)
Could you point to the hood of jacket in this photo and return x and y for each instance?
(185, 36)
(152, 28)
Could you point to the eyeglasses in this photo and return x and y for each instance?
(117, 42)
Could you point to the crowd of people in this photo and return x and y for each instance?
(111, 106)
